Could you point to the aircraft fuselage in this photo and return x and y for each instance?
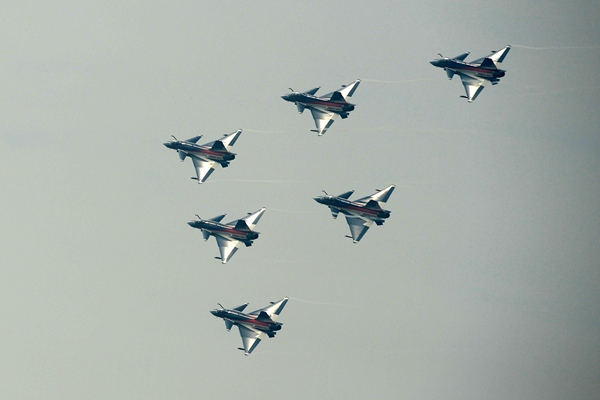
(200, 151)
(459, 66)
(239, 318)
(351, 207)
(309, 101)
(216, 228)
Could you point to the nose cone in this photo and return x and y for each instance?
(168, 144)
(286, 97)
(192, 223)
(435, 63)
(214, 312)
(319, 200)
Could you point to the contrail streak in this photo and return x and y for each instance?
(561, 91)
(254, 181)
(556, 47)
(294, 212)
(315, 302)
(258, 131)
(404, 81)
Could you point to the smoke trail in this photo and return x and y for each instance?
(404, 81)
(319, 303)
(254, 181)
(294, 212)
(556, 47)
(259, 131)
(561, 91)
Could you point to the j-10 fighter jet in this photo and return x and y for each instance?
(254, 326)
(325, 108)
(476, 74)
(205, 156)
(360, 214)
(231, 235)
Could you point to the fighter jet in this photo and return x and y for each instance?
(254, 326)
(231, 235)
(325, 108)
(205, 156)
(476, 74)
(360, 214)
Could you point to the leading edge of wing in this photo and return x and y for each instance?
(381, 196)
(473, 85)
(250, 338)
(227, 247)
(346, 90)
(323, 120)
(203, 168)
(253, 218)
(273, 310)
(358, 227)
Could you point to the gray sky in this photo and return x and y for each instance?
(483, 283)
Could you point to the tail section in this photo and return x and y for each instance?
(241, 225)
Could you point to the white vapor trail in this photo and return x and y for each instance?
(556, 47)
(254, 181)
(316, 302)
(404, 81)
(294, 212)
(258, 131)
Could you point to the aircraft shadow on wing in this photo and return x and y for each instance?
(475, 74)
(360, 214)
(253, 326)
(325, 108)
(229, 236)
(205, 156)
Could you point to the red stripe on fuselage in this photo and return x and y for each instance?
(479, 71)
(361, 209)
(329, 104)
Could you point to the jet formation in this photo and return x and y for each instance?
(360, 214)
(325, 108)
(475, 74)
(254, 326)
(205, 156)
(231, 235)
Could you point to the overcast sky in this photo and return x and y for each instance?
(483, 283)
